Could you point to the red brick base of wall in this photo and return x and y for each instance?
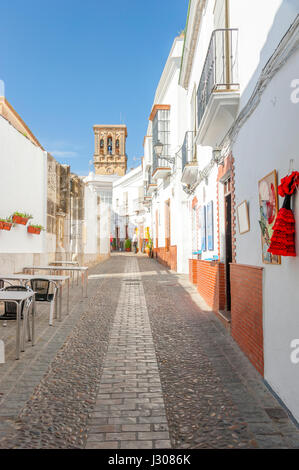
(247, 312)
(209, 276)
(193, 271)
(167, 257)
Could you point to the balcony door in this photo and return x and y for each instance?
(222, 40)
(221, 14)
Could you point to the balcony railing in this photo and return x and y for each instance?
(220, 71)
(123, 210)
(160, 162)
(188, 149)
(137, 204)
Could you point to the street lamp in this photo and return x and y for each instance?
(158, 148)
(217, 158)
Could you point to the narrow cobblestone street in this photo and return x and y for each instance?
(139, 364)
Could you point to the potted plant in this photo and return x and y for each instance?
(35, 228)
(21, 218)
(5, 224)
(114, 244)
(149, 247)
(128, 244)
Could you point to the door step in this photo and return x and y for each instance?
(225, 317)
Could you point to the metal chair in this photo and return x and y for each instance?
(3, 282)
(10, 310)
(42, 288)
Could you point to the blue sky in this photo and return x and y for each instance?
(70, 64)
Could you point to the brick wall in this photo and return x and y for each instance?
(193, 271)
(247, 312)
(210, 280)
(167, 257)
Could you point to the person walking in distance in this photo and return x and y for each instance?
(135, 241)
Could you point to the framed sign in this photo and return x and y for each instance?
(203, 229)
(268, 206)
(210, 226)
(243, 217)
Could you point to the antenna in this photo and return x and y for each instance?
(2, 88)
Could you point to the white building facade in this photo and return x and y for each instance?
(226, 111)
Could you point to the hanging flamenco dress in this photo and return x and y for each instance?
(283, 238)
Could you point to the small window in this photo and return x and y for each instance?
(109, 145)
(102, 146)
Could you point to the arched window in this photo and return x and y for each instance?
(117, 146)
(109, 145)
(102, 146)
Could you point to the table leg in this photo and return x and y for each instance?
(33, 311)
(82, 282)
(56, 304)
(18, 330)
(60, 301)
(23, 327)
(68, 296)
(86, 283)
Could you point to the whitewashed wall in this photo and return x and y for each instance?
(267, 141)
(130, 184)
(91, 224)
(261, 24)
(23, 188)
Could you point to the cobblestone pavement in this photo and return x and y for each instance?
(214, 397)
(49, 392)
(140, 364)
(129, 411)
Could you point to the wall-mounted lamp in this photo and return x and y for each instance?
(217, 157)
(158, 148)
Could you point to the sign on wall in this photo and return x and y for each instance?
(268, 205)
(210, 226)
(243, 217)
(203, 229)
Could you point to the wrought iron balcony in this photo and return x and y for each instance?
(150, 184)
(123, 210)
(138, 205)
(217, 93)
(189, 161)
(188, 149)
(161, 166)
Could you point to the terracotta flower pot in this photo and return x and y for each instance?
(7, 225)
(128, 249)
(35, 230)
(19, 220)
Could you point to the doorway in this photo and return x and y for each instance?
(228, 243)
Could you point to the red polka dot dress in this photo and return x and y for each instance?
(283, 238)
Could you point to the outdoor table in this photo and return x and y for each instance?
(28, 277)
(18, 297)
(65, 263)
(81, 269)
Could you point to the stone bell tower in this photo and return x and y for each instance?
(110, 149)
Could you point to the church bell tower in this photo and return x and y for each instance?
(110, 149)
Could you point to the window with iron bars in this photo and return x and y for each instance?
(161, 132)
